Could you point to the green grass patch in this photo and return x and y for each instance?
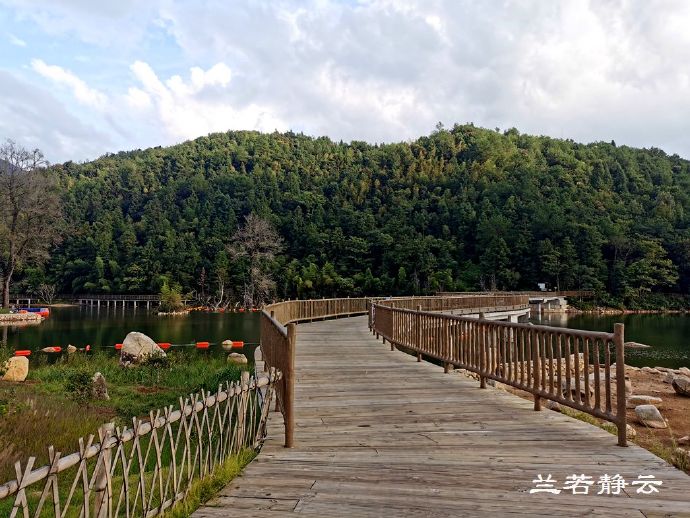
(51, 407)
(205, 489)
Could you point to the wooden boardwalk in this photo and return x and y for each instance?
(379, 434)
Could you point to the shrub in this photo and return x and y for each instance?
(171, 299)
(78, 386)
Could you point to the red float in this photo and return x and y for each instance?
(118, 347)
(164, 345)
(22, 352)
(237, 344)
(202, 345)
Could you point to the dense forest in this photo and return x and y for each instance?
(466, 208)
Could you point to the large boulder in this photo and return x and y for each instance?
(239, 359)
(684, 371)
(681, 384)
(634, 401)
(584, 396)
(649, 415)
(16, 369)
(136, 347)
(99, 389)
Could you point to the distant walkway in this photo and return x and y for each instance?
(379, 434)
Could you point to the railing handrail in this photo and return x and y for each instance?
(499, 350)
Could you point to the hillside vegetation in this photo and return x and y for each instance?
(459, 209)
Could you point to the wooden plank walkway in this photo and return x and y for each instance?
(379, 434)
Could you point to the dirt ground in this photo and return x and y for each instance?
(674, 408)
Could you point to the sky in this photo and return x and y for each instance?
(81, 78)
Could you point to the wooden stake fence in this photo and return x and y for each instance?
(143, 470)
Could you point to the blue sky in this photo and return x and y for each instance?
(80, 78)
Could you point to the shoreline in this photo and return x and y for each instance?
(14, 318)
(615, 311)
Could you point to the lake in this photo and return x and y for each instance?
(104, 327)
(668, 334)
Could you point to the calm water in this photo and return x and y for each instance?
(669, 335)
(104, 327)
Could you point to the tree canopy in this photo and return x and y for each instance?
(465, 208)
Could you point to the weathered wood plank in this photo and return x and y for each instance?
(378, 433)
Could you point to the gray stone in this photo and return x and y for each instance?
(16, 369)
(684, 371)
(136, 347)
(681, 384)
(636, 345)
(684, 440)
(649, 370)
(573, 389)
(630, 432)
(237, 358)
(649, 415)
(71, 349)
(634, 401)
(99, 389)
(226, 345)
(553, 405)
(669, 377)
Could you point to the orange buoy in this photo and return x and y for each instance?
(237, 344)
(164, 345)
(202, 345)
(88, 348)
(55, 349)
(118, 347)
(22, 352)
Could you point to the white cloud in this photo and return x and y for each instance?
(17, 42)
(81, 91)
(377, 70)
(199, 105)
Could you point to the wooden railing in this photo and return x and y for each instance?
(143, 470)
(278, 338)
(571, 367)
(562, 293)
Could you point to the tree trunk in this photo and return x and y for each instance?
(6, 291)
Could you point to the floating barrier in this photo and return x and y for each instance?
(22, 352)
(55, 349)
(237, 344)
(202, 345)
(164, 345)
(118, 347)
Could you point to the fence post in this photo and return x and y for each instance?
(622, 422)
(418, 328)
(482, 351)
(289, 394)
(102, 487)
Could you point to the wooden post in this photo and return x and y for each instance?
(482, 356)
(102, 489)
(619, 344)
(289, 394)
(536, 369)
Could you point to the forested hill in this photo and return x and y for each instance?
(461, 209)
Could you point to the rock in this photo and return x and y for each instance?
(553, 405)
(681, 384)
(669, 377)
(684, 440)
(16, 369)
(573, 389)
(237, 358)
(99, 389)
(630, 432)
(662, 369)
(628, 386)
(136, 347)
(684, 371)
(71, 349)
(649, 370)
(634, 401)
(226, 345)
(637, 345)
(649, 415)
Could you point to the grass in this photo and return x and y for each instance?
(48, 410)
(203, 490)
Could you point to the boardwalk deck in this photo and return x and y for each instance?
(379, 434)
